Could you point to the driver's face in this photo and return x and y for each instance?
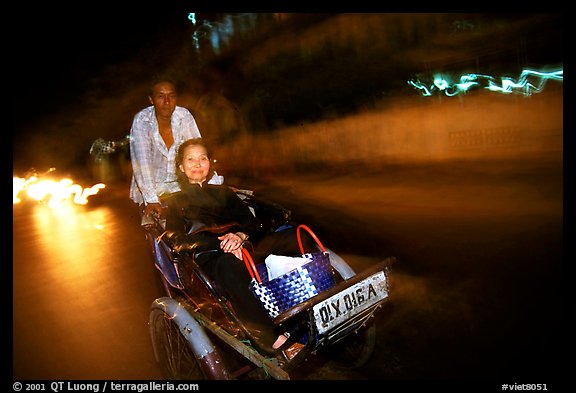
(164, 99)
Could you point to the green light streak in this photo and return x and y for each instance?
(528, 83)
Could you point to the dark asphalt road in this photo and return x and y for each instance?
(477, 293)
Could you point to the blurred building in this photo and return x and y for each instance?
(331, 87)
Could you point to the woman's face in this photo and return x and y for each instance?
(195, 163)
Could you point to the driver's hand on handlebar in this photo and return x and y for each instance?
(153, 210)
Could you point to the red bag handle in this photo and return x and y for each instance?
(249, 262)
(250, 265)
(302, 226)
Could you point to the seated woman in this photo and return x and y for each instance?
(212, 217)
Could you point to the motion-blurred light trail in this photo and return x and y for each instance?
(55, 193)
(528, 83)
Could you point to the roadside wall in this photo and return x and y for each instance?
(416, 130)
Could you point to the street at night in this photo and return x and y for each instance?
(474, 293)
(437, 139)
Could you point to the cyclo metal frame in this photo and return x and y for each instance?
(211, 329)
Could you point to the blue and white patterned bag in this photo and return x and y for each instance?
(290, 289)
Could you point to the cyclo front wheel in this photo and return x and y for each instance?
(173, 352)
(355, 350)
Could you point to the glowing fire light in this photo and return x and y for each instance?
(54, 192)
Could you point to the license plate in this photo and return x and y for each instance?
(351, 301)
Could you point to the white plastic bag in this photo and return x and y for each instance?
(277, 265)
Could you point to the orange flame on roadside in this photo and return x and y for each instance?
(54, 192)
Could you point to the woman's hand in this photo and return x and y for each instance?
(232, 243)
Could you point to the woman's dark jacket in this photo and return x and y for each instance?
(201, 214)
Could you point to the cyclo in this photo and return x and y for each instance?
(196, 333)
